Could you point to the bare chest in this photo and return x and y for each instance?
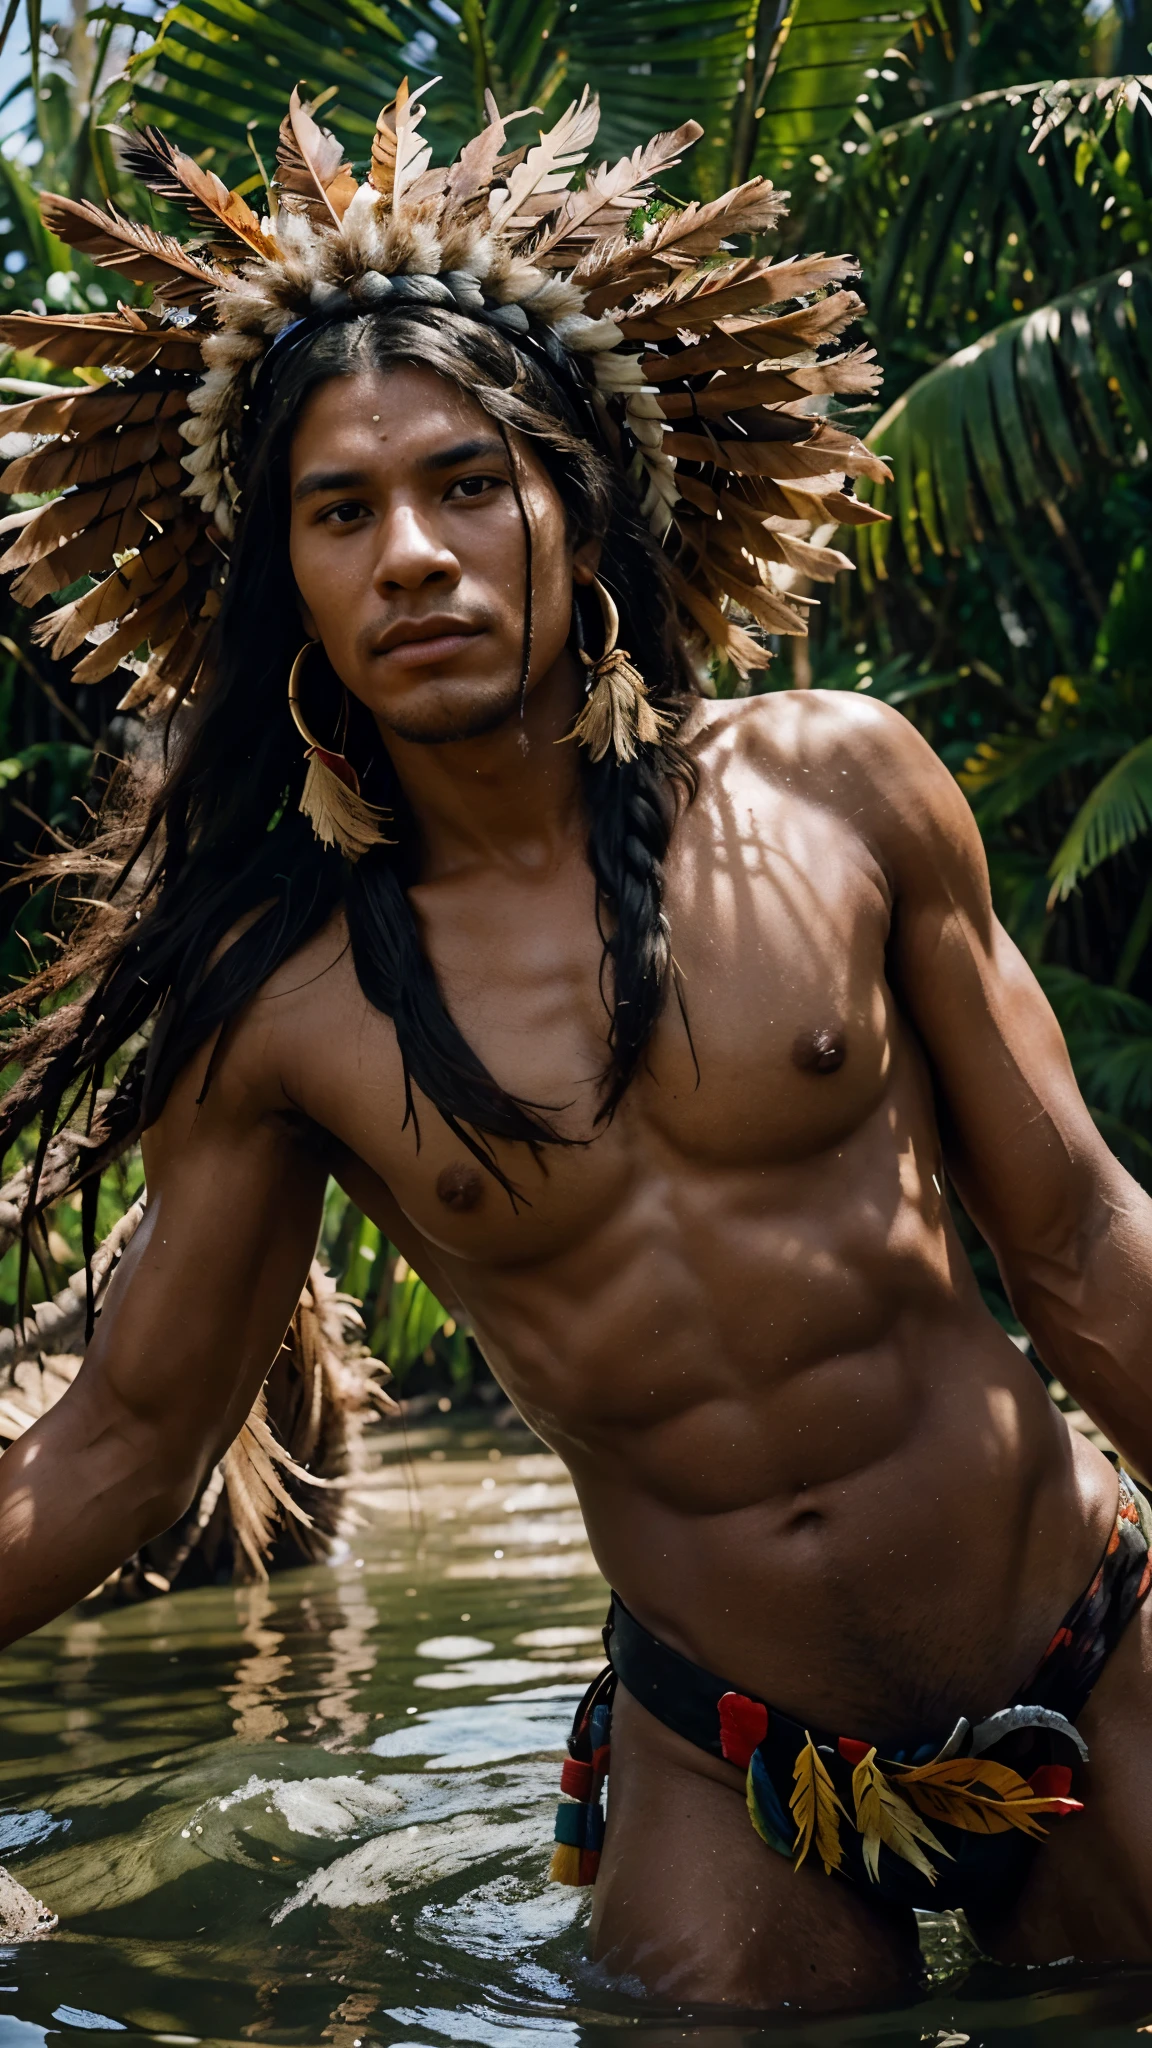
(774, 1044)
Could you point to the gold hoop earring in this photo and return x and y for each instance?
(332, 802)
(617, 712)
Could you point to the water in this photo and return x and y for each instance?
(320, 1812)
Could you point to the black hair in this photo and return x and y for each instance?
(219, 838)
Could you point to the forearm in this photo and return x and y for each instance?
(1086, 1302)
(73, 1508)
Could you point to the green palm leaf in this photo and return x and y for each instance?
(1004, 774)
(1118, 811)
(983, 218)
(220, 71)
(804, 68)
(1014, 419)
(768, 80)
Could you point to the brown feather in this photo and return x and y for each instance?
(779, 455)
(137, 251)
(60, 463)
(128, 586)
(610, 194)
(728, 395)
(710, 301)
(548, 166)
(89, 410)
(312, 176)
(470, 177)
(173, 667)
(399, 158)
(808, 326)
(70, 514)
(51, 414)
(90, 551)
(382, 169)
(609, 274)
(768, 606)
(99, 340)
(149, 156)
(739, 647)
(727, 509)
(161, 617)
(725, 394)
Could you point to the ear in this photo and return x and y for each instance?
(586, 561)
(306, 619)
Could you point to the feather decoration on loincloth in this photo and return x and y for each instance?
(883, 1816)
(982, 1797)
(814, 1807)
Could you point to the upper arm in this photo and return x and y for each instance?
(202, 1300)
(1021, 1146)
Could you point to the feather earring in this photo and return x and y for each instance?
(339, 815)
(617, 713)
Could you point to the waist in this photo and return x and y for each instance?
(931, 1581)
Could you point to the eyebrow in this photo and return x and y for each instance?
(487, 446)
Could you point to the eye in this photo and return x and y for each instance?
(345, 513)
(474, 486)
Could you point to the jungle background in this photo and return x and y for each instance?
(989, 162)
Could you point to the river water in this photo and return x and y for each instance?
(319, 1812)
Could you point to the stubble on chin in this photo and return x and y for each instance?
(440, 725)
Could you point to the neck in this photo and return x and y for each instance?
(513, 795)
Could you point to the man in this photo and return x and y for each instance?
(704, 1241)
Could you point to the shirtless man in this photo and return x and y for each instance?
(808, 1458)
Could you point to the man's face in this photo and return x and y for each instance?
(408, 551)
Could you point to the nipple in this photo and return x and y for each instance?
(820, 1052)
(460, 1187)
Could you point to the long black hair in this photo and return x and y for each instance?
(181, 856)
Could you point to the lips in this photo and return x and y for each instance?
(421, 643)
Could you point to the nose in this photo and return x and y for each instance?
(411, 555)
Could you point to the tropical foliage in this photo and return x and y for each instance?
(1000, 206)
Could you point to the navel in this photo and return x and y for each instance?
(460, 1187)
(820, 1052)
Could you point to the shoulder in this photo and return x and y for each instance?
(813, 729)
(838, 748)
(244, 1071)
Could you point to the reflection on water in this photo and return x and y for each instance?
(319, 1812)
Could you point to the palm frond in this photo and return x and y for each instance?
(1013, 420)
(1118, 811)
(217, 66)
(768, 83)
(1005, 773)
(802, 76)
(982, 217)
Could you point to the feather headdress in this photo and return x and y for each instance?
(705, 371)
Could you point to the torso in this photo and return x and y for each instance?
(807, 1454)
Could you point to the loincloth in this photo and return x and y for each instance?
(949, 1823)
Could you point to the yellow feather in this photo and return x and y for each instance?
(565, 1865)
(882, 1816)
(814, 1807)
(957, 1791)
